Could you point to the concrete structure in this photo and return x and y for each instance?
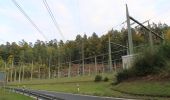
(128, 61)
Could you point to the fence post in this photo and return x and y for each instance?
(7, 76)
(89, 69)
(103, 66)
(11, 71)
(95, 61)
(39, 72)
(32, 69)
(15, 75)
(23, 72)
(19, 77)
(58, 71)
(78, 70)
(115, 65)
(69, 69)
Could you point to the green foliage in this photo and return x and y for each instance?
(106, 79)
(98, 78)
(152, 88)
(148, 63)
(6, 95)
(165, 50)
(123, 75)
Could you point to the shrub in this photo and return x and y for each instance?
(149, 63)
(124, 75)
(98, 78)
(165, 50)
(106, 79)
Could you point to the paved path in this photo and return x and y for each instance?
(69, 96)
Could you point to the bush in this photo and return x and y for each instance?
(148, 63)
(124, 75)
(106, 79)
(165, 50)
(98, 78)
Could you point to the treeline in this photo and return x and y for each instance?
(41, 52)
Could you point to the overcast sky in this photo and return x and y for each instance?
(74, 17)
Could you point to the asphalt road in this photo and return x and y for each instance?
(69, 96)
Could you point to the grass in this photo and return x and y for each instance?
(6, 95)
(62, 80)
(69, 85)
(89, 87)
(152, 88)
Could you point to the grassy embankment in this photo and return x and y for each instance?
(69, 85)
(89, 87)
(149, 74)
(6, 95)
(145, 88)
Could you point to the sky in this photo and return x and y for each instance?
(74, 17)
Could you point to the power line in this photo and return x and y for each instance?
(29, 19)
(53, 18)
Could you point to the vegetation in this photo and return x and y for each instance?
(77, 79)
(98, 78)
(106, 79)
(144, 88)
(69, 85)
(57, 52)
(155, 62)
(6, 95)
(89, 87)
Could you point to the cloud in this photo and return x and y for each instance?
(76, 17)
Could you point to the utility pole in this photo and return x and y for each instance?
(83, 56)
(150, 37)
(5, 72)
(110, 56)
(59, 65)
(129, 32)
(49, 69)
